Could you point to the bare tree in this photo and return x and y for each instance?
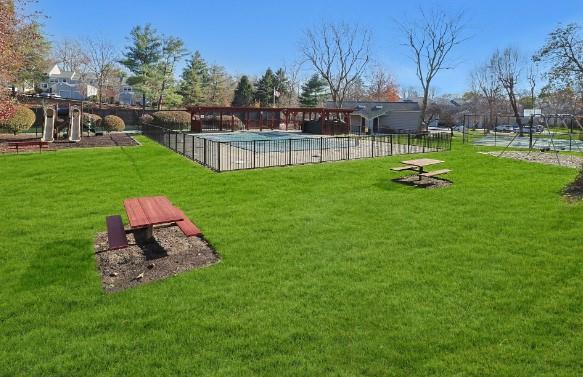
(102, 60)
(382, 86)
(531, 77)
(70, 56)
(409, 92)
(339, 53)
(485, 82)
(431, 40)
(507, 65)
(563, 50)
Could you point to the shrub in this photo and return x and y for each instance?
(90, 119)
(146, 119)
(21, 120)
(113, 123)
(172, 119)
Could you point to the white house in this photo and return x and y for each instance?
(68, 84)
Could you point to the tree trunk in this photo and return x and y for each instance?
(143, 101)
(516, 114)
(423, 108)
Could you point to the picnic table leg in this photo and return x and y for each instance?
(420, 171)
(144, 235)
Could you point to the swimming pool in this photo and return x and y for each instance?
(275, 141)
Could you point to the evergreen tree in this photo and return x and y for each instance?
(195, 79)
(313, 92)
(219, 86)
(243, 93)
(140, 57)
(282, 85)
(264, 88)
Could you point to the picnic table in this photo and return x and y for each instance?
(419, 164)
(143, 213)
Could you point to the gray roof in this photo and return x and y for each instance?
(374, 109)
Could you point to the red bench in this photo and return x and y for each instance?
(187, 227)
(116, 234)
(19, 144)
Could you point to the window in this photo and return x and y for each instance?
(44, 85)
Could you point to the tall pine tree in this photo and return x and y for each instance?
(141, 56)
(244, 94)
(313, 92)
(282, 85)
(264, 88)
(195, 80)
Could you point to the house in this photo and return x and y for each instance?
(378, 117)
(127, 96)
(68, 84)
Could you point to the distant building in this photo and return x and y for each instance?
(531, 112)
(72, 85)
(67, 84)
(378, 117)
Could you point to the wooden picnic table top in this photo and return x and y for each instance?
(422, 162)
(151, 210)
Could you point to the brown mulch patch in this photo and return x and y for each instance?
(116, 139)
(424, 182)
(170, 254)
(574, 191)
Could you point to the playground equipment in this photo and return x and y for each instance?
(75, 124)
(553, 141)
(49, 126)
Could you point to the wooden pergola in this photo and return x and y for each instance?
(261, 118)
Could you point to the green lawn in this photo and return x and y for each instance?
(327, 270)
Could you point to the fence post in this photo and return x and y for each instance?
(290, 152)
(254, 152)
(408, 143)
(204, 152)
(321, 147)
(348, 139)
(192, 137)
(183, 144)
(219, 156)
(391, 141)
(423, 140)
(372, 147)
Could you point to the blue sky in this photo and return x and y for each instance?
(248, 36)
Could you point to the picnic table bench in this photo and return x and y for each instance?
(435, 172)
(19, 144)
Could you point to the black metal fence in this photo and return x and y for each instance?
(237, 155)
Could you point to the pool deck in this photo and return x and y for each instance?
(237, 158)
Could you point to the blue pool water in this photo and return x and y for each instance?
(274, 141)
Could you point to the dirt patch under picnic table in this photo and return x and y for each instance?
(169, 254)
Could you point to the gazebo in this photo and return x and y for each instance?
(224, 118)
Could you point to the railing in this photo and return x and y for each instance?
(238, 155)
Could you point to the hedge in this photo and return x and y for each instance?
(21, 120)
(113, 123)
(172, 119)
(91, 119)
(146, 119)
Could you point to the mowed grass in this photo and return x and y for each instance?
(327, 270)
